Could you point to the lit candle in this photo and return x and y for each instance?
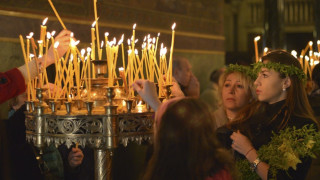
(43, 30)
(256, 39)
(93, 54)
(140, 107)
(133, 35)
(265, 50)
(318, 44)
(169, 76)
(310, 44)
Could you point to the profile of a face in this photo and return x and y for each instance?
(234, 93)
(183, 73)
(270, 87)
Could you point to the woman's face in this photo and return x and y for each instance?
(269, 86)
(234, 95)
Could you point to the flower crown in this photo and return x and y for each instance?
(243, 69)
(288, 70)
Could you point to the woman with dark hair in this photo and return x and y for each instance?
(185, 146)
(282, 103)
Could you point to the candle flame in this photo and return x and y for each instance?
(294, 53)
(306, 57)
(318, 42)
(106, 34)
(71, 57)
(139, 104)
(129, 51)
(316, 62)
(83, 51)
(53, 33)
(31, 55)
(71, 34)
(257, 38)
(134, 26)
(121, 69)
(44, 21)
(129, 42)
(173, 26)
(31, 34)
(161, 45)
(48, 35)
(310, 43)
(102, 43)
(40, 41)
(136, 41)
(158, 34)
(154, 40)
(136, 51)
(93, 24)
(265, 49)
(56, 44)
(120, 41)
(145, 38)
(88, 49)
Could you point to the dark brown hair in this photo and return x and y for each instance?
(186, 146)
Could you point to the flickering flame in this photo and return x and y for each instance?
(56, 44)
(257, 38)
(173, 26)
(44, 21)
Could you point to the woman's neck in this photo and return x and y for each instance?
(231, 114)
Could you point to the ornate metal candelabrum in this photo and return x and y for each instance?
(101, 127)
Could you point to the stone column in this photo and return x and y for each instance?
(274, 36)
(316, 10)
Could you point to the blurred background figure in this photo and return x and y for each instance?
(211, 95)
(181, 71)
(314, 97)
(16, 102)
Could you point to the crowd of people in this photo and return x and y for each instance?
(193, 139)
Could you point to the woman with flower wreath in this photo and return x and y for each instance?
(236, 91)
(282, 104)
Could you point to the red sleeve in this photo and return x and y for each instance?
(12, 83)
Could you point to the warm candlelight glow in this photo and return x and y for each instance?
(134, 26)
(257, 38)
(56, 44)
(53, 33)
(93, 24)
(173, 26)
(310, 43)
(44, 21)
(294, 53)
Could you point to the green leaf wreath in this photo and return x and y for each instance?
(284, 151)
(288, 70)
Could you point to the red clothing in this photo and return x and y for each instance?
(221, 175)
(11, 84)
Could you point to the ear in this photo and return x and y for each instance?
(286, 83)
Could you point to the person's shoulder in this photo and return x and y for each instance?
(299, 122)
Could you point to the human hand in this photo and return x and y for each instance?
(75, 157)
(64, 41)
(175, 89)
(240, 143)
(193, 89)
(147, 90)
